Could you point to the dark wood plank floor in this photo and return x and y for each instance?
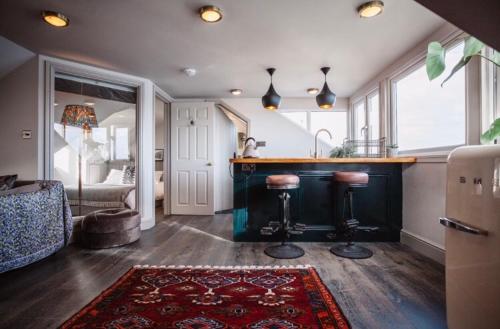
(396, 288)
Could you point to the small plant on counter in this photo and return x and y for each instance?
(341, 152)
(436, 53)
(491, 134)
(392, 150)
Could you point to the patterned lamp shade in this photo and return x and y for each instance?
(79, 116)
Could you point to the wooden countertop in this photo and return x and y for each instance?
(325, 160)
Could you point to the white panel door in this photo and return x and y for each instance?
(192, 156)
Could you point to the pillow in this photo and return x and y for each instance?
(158, 176)
(115, 177)
(128, 175)
(7, 182)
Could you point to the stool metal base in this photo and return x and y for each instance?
(284, 251)
(351, 251)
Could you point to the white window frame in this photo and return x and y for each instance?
(470, 118)
(364, 98)
(490, 91)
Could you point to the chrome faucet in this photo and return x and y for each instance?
(316, 141)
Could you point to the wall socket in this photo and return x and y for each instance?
(26, 134)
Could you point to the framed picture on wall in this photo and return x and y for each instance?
(159, 155)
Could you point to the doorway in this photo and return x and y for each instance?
(162, 157)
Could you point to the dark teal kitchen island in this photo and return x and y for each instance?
(318, 201)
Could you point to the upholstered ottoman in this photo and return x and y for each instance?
(110, 228)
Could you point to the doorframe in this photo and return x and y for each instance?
(167, 187)
(146, 91)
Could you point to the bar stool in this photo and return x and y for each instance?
(349, 225)
(285, 250)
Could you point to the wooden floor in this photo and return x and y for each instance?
(396, 288)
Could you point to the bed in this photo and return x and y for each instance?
(111, 193)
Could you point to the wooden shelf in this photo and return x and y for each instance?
(325, 160)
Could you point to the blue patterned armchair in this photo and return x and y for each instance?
(35, 222)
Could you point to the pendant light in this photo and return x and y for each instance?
(271, 100)
(326, 98)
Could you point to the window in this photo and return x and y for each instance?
(334, 121)
(428, 116)
(359, 120)
(373, 116)
(490, 89)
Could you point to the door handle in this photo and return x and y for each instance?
(458, 225)
(209, 164)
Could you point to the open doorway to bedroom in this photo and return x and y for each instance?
(95, 143)
(161, 157)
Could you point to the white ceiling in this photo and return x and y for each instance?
(157, 38)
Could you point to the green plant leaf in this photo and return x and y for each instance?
(472, 47)
(495, 59)
(463, 61)
(492, 133)
(434, 62)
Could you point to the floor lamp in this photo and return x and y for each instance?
(84, 117)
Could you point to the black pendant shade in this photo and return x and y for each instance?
(326, 98)
(271, 100)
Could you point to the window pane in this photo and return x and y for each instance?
(429, 115)
(359, 119)
(334, 122)
(299, 118)
(373, 116)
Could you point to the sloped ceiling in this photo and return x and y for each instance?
(12, 56)
(158, 38)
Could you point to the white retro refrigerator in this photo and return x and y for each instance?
(473, 238)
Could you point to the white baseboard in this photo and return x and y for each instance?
(147, 223)
(423, 247)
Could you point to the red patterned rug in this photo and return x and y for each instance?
(213, 298)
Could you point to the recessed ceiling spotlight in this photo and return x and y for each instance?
(210, 14)
(371, 9)
(89, 102)
(55, 19)
(236, 92)
(189, 71)
(312, 91)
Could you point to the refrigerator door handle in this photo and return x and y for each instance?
(458, 225)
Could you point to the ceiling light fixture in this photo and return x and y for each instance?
(89, 103)
(371, 9)
(271, 100)
(326, 98)
(236, 92)
(190, 72)
(210, 14)
(312, 91)
(55, 19)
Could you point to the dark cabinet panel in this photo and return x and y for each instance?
(318, 202)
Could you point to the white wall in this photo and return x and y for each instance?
(424, 196)
(18, 112)
(283, 138)
(225, 145)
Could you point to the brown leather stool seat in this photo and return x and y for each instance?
(110, 228)
(282, 181)
(355, 178)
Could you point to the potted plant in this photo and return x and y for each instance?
(436, 53)
(392, 151)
